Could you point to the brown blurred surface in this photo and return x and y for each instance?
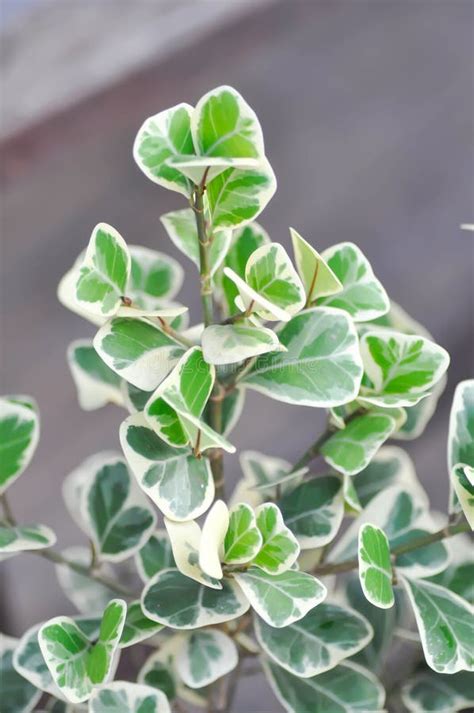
(368, 117)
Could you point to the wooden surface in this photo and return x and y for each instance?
(367, 112)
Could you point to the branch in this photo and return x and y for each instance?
(216, 457)
(57, 558)
(416, 544)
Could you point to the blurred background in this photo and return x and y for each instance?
(367, 111)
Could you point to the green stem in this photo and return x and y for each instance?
(204, 258)
(216, 457)
(416, 544)
(7, 512)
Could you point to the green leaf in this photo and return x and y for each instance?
(19, 435)
(345, 689)
(401, 368)
(205, 657)
(362, 295)
(283, 598)
(243, 539)
(182, 231)
(390, 466)
(321, 367)
(232, 343)
(179, 484)
(174, 411)
(352, 448)
(431, 693)
(318, 642)
(280, 548)
(28, 660)
(244, 242)
(22, 538)
(270, 275)
(314, 510)
(18, 694)
(161, 137)
(445, 625)
(237, 196)
(76, 664)
(154, 278)
(172, 599)
(96, 384)
(375, 568)
(461, 448)
(116, 513)
(266, 474)
(137, 626)
(125, 697)
(137, 350)
(223, 124)
(317, 277)
(403, 518)
(185, 538)
(418, 415)
(154, 556)
(87, 595)
(104, 272)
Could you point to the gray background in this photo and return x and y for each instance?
(367, 112)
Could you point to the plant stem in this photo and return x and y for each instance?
(7, 512)
(57, 558)
(173, 333)
(416, 544)
(216, 456)
(204, 261)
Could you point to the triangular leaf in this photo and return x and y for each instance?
(362, 295)
(390, 466)
(229, 344)
(352, 448)
(317, 277)
(223, 124)
(104, 272)
(177, 482)
(283, 598)
(138, 351)
(244, 242)
(154, 556)
(76, 664)
(154, 278)
(445, 624)
(243, 538)
(316, 643)
(280, 548)
(237, 196)
(345, 689)
(269, 475)
(174, 600)
(321, 367)
(401, 368)
(161, 137)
